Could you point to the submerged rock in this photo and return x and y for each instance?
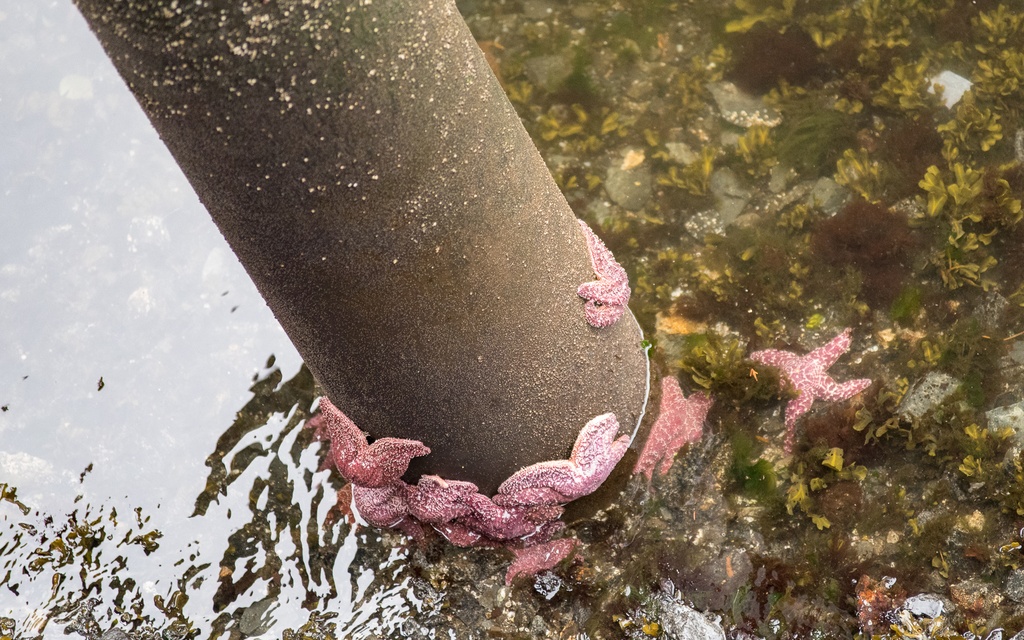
(680, 622)
(628, 184)
(927, 394)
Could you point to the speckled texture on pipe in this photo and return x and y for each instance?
(365, 166)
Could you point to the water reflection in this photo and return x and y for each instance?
(271, 546)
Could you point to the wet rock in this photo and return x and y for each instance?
(414, 630)
(742, 109)
(628, 186)
(547, 584)
(80, 619)
(1014, 586)
(680, 622)
(537, 10)
(1017, 352)
(599, 210)
(973, 597)
(643, 88)
(731, 197)
(548, 72)
(878, 603)
(702, 223)
(254, 622)
(991, 311)
(779, 177)
(828, 195)
(924, 605)
(115, 634)
(492, 594)
(927, 394)
(681, 153)
(1012, 417)
(953, 86)
(538, 627)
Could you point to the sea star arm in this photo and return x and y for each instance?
(383, 462)
(608, 295)
(680, 421)
(346, 440)
(376, 465)
(435, 500)
(826, 355)
(836, 391)
(503, 523)
(773, 358)
(594, 455)
(539, 557)
(527, 513)
(383, 506)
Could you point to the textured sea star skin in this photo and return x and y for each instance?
(438, 501)
(376, 465)
(608, 295)
(381, 506)
(680, 421)
(540, 557)
(808, 374)
(595, 454)
(525, 514)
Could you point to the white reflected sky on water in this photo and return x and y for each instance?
(110, 267)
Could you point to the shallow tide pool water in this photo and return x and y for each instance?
(769, 173)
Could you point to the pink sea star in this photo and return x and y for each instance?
(608, 295)
(524, 513)
(680, 421)
(539, 557)
(595, 454)
(807, 374)
(438, 501)
(376, 465)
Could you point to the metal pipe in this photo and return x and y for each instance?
(365, 166)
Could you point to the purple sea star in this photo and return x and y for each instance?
(540, 557)
(595, 454)
(524, 514)
(376, 465)
(807, 374)
(608, 295)
(680, 421)
(438, 501)
(381, 506)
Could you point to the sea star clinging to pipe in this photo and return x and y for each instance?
(595, 454)
(375, 465)
(808, 375)
(527, 509)
(608, 295)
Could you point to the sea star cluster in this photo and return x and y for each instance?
(808, 375)
(680, 421)
(523, 515)
(524, 511)
(608, 295)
